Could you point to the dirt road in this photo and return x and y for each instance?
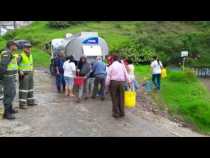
(206, 82)
(57, 115)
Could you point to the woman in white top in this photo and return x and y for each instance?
(156, 66)
(69, 74)
(130, 69)
(131, 73)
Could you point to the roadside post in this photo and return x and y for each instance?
(184, 55)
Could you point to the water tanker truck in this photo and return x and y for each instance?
(88, 44)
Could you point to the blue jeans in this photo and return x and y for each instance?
(89, 86)
(60, 82)
(134, 85)
(156, 80)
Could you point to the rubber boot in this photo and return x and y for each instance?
(23, 107)
(9, 116)
(32, 104)
(13, 111)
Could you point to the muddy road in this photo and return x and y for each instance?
(57, 115)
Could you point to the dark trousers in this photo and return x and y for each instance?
(99, 81)
(26, 89)
(156, 80)
(117, 95)
(9, 85)
(60, 82)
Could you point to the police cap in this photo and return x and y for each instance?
(27, 45)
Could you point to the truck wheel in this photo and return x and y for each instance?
(52, 70)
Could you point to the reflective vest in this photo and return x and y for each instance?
(12, 66)
(16, 54)
(26, 63)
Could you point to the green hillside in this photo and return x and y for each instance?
(166, 38)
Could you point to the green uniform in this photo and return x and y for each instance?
(8, 68)
(26, 83)
(1, 89)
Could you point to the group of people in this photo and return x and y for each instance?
(90, 79)
(95, 79)
(16, 66)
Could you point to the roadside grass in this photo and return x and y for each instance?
(40, 34)
(142, 72)
(184, 96)
(41, 58)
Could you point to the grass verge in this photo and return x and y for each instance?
(185, 97)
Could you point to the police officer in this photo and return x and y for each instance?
(8, 71)
(25, 62)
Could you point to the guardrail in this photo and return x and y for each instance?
(203, 72)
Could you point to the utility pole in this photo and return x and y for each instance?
(183, 63)
(14, 24)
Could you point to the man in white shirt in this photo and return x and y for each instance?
(156, 66)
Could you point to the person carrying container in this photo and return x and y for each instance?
(90, 83)
(156, 66)
(99, 72)
(116, 78)
(80, 81)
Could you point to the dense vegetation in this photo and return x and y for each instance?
(168, 39)
(63, 24)
(138, 40)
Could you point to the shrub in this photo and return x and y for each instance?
(137, 53)
(118, 26)
(10, 35)
(62, 24)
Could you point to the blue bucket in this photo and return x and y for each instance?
(148, 86)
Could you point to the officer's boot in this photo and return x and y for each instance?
(23, 106)
(8, 115)
(13, 111)
(32, 103)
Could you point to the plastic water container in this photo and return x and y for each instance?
(79, 81)
(148, 86)
(130, 99)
